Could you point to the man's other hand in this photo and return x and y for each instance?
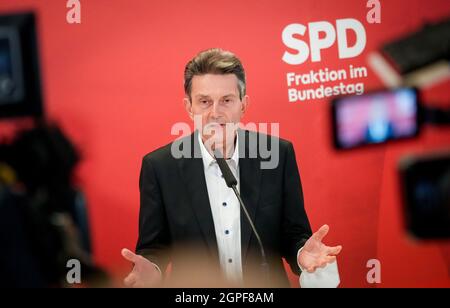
(145, 274)
(315, 254)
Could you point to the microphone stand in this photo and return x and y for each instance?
(231, 182)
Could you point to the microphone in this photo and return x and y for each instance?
(231, 182)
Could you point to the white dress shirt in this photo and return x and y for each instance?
(226, 212)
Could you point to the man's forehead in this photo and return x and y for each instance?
(209, 84)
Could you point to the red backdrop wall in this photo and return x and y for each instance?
(114, 83)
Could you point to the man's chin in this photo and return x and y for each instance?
(213, 144)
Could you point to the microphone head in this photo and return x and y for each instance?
(228, 176)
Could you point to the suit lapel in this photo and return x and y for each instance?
(194, 179)
(250, 182)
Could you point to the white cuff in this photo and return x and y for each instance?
(327, 277)
(298, 263)
(157, 267)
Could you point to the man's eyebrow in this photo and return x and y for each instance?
(230, 95)
(202, 96)
(199, 96)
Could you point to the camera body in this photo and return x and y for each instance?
(425, 184)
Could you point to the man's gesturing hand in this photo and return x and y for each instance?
(316, 254)
(144, 273)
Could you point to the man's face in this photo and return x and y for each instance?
(215, 99)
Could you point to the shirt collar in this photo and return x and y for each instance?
(208, 159)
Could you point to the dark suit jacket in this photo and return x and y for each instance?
(175, 209)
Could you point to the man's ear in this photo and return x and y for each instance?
(188, 107)
(245, 102)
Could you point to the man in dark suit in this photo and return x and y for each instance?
(186, 205)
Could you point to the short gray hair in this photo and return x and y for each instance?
(214, 61)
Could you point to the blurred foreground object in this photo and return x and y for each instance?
(426, 194)
(419, 59)
(43, 218)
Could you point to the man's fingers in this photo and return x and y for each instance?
(129, 255)
(334, 251)
(321, 263)
(320, 234)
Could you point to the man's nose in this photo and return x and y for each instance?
(215, 112)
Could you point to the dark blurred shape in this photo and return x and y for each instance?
(43, 219)
(425, 182)
(384, 116)
(375, 118)
(418, 59)
(429, 45)
(20, 88)
(435, 116)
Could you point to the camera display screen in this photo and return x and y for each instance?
(20, 86)
(375, 118)
(11, 90)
